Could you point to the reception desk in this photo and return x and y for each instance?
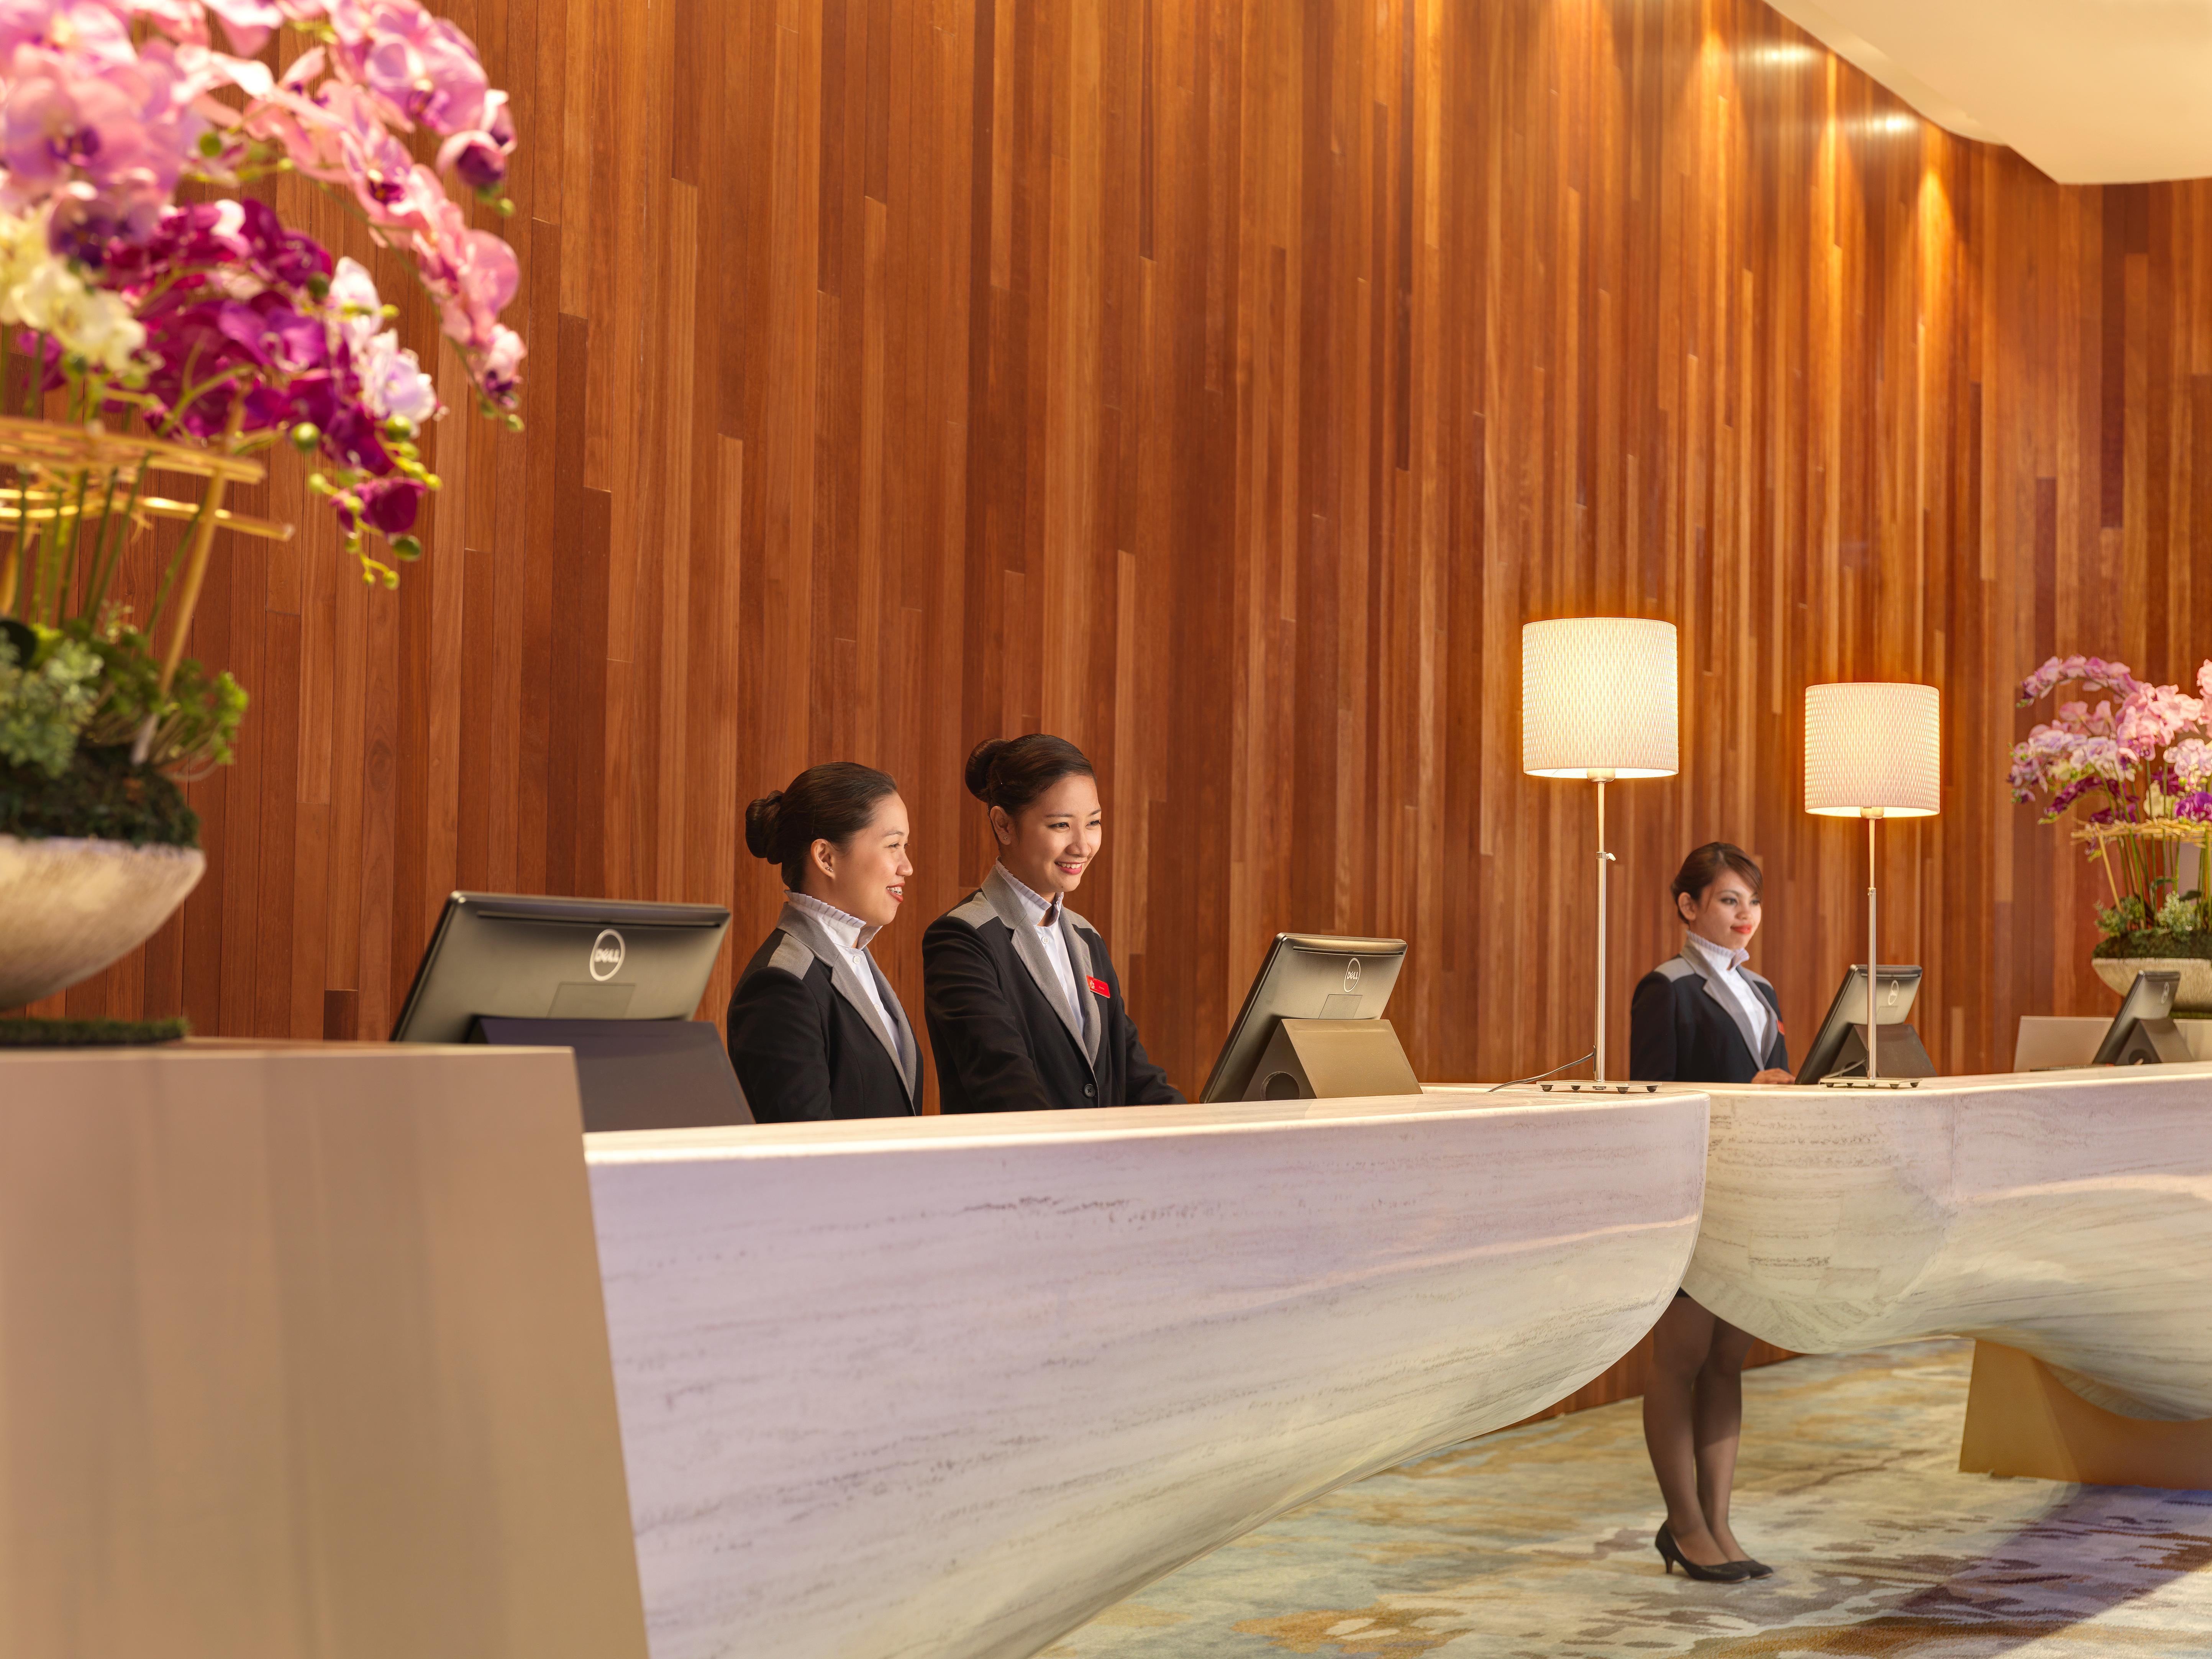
(2064, 1214)
(304, 1349)
(944, 1387)
(303, 1357)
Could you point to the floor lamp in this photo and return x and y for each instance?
(1873, 751)
(1599, 699)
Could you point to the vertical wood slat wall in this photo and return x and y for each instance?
(1221, 383)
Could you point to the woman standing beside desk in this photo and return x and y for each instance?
(1025, 1011)
(1703, 1017)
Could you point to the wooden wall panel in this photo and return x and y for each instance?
(1222, 383)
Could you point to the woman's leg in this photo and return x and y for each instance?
(1682, 1343)
(1718, 1415)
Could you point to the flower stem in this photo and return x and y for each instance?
(197, 553)
(114, 532)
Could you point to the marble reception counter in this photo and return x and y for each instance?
(948, 1386)
(2068, 1214)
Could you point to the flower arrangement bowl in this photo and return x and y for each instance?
(2194, 995)
(74, 904)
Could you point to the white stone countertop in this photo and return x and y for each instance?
(2067, 1214)
(944, 1387)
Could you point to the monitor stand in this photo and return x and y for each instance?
(1332, 1059)
(1901, 1052)
(635, 1073)
(2156, 1041)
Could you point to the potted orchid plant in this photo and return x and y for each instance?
(2132, 774)
(167, 326)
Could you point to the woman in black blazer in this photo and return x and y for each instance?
(1703, 1017)
(1024, 1009)
(816, 1030)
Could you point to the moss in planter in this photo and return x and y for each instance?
(91, 1033)
(2156, 942)
(102, 796)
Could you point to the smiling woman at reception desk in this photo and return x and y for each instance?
(1025, 1011)
(816, 1030)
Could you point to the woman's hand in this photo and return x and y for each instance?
(1773, 1074)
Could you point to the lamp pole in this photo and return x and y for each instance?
(1601, 778)
(1874, 1045)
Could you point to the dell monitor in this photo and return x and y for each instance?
(1316, 976)
(616, 981)
(2143, 1032)
(1838, 1050)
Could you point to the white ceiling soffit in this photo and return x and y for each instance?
(2093, 92)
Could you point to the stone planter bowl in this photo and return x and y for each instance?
(70, 907)
(2195, 996)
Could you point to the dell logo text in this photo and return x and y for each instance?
(607, 952)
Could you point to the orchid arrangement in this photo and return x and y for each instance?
(208, 326)
(211, 321)
(2138, 764)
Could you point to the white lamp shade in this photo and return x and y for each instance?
(1873, 745)
(1599, 695)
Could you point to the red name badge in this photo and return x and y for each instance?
(1098, 985)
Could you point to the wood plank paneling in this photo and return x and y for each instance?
(1222, 384)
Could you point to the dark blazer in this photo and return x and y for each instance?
(803, 1039)
(1682, 1029)
(1005, 1038)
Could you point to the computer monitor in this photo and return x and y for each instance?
(616, 981)
(1305, 976)
(2143, 1032)
(1837, 1048)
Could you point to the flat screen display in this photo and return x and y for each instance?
(1305, 976)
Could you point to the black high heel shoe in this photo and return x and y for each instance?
(1753, 1569)
(1729, 1572)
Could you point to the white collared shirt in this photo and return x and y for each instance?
(851, 935)
(1722, 963)
(1043, 913)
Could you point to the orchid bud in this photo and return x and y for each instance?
(407, 548)
(306, 437)
(211, 143)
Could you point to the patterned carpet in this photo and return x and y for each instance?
(1536, 1543)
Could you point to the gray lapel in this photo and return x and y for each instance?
(1079, 957)
(1774, 1009)
(1729, 1006)
(816, 937)
(908, 1052)
(1029, 946)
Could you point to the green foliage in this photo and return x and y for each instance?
(49, 687)
(195, 727)
(102, 794)
(2182, 913)
(2129, 915)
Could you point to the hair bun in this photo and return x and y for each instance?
(978, 773)
(763, 820)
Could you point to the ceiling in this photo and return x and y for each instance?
(2093, 92)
